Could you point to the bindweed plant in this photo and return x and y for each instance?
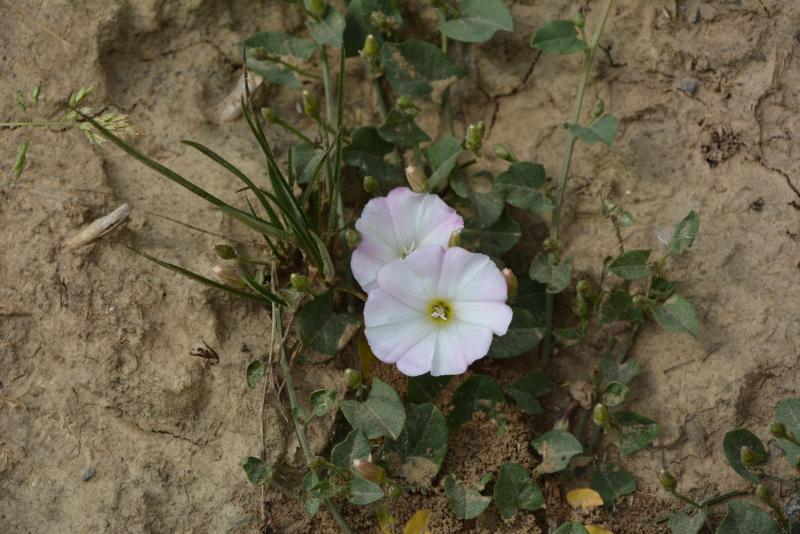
(426, 253)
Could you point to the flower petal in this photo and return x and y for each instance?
(471, 277)
(384, 309)
(440, 221)
(458, 346)
(413, 280)
(390, 342)
(494, 316)
(417, 360)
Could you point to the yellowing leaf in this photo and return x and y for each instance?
(597, 530)
(418, 524)
(366, 357)
(584, 498)
(385, 520)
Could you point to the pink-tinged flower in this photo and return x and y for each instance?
(394, 226)
(436, 310)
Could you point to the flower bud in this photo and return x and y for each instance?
(503, 152)
(317, 462)
(748, 456)
(455, 239)
(226, 252)
(763, 493)
(310, 105)
(581, 307)
(228, 275)
(583, 287)
(317, 8)
(512, 284)
(353, 378)
(561, 424)
(21, 101)
(778, 430)
(371, 185)
(474, 139)
(407, 104)
(417, 179)
(370, 49)
(299, 282)
(270, 115)
(550, 245)
(353, 237)
(668, 481)
(369, 470)
(600, 415)
(579, 20)
(599, 108)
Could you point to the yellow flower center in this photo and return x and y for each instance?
(440, 311)
(407, 249)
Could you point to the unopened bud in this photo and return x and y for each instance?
(550, 245)
(317, 8)
(353, 378)
(353, 237)
(668, 481)
(21, 101)
(370, 49)
(310, 105)
(228, 275)
(581, 307)
(561, 424)
(36, 93)
(763, 493)
(226, 252)
(599, 108)
(503, 152)
(600, 415)
(579, 20)
(778, 430)
(748, 456)
(474, 139)
(512, 284)
(299, 282)
(583, 287)
(369, 470)
(417, 179)
(455, 239)
(270, 115)
(371, 185)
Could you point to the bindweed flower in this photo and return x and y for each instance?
(394, 226)
(436, 311)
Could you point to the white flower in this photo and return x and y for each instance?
(394, 226)
(436, 310)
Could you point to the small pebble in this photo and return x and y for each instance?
(792, 508)
(689, 87)
(88, 474)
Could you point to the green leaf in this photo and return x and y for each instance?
(443, 156)
(732, 445)
(425, 388)
(421, 448)
(685, 233)
(661, 289)
(495, 240)
(557, 447)
(631, 265)
(527, 389)
(620, 307)
(531, 295)
(401, 129)
(523, 335)
(305, 161)
(612, 482)
(280, 44)
(602, 130)
(329, 30)
(363, 491)
(479, 203)
(274, 73)
(381, 415)
(479, 21)
(514, 489)
(367, 151)
(321, 401)
(788, 413)
(638, 431)
(571, 528)
(311, 503)
(556, 277)
(615, 394)
(466, 503)
(411, 66)
(558, 37)
(614, 371)
(676, 315)
(257, 470)
(746, 518)
(255, 372)
(686, 523)
(477, 393)
(323, 330)
(354, 447)
(521, 187)
(359, 23)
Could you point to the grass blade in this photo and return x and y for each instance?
(256, 286)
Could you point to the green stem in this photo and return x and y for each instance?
(31, 124)
(297, 133)
(298, 70)
(686, 499)
(547, 344)
(383, 106)
(708, 502)
(326, 82)
(594, 439)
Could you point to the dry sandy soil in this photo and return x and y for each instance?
(95, 371)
